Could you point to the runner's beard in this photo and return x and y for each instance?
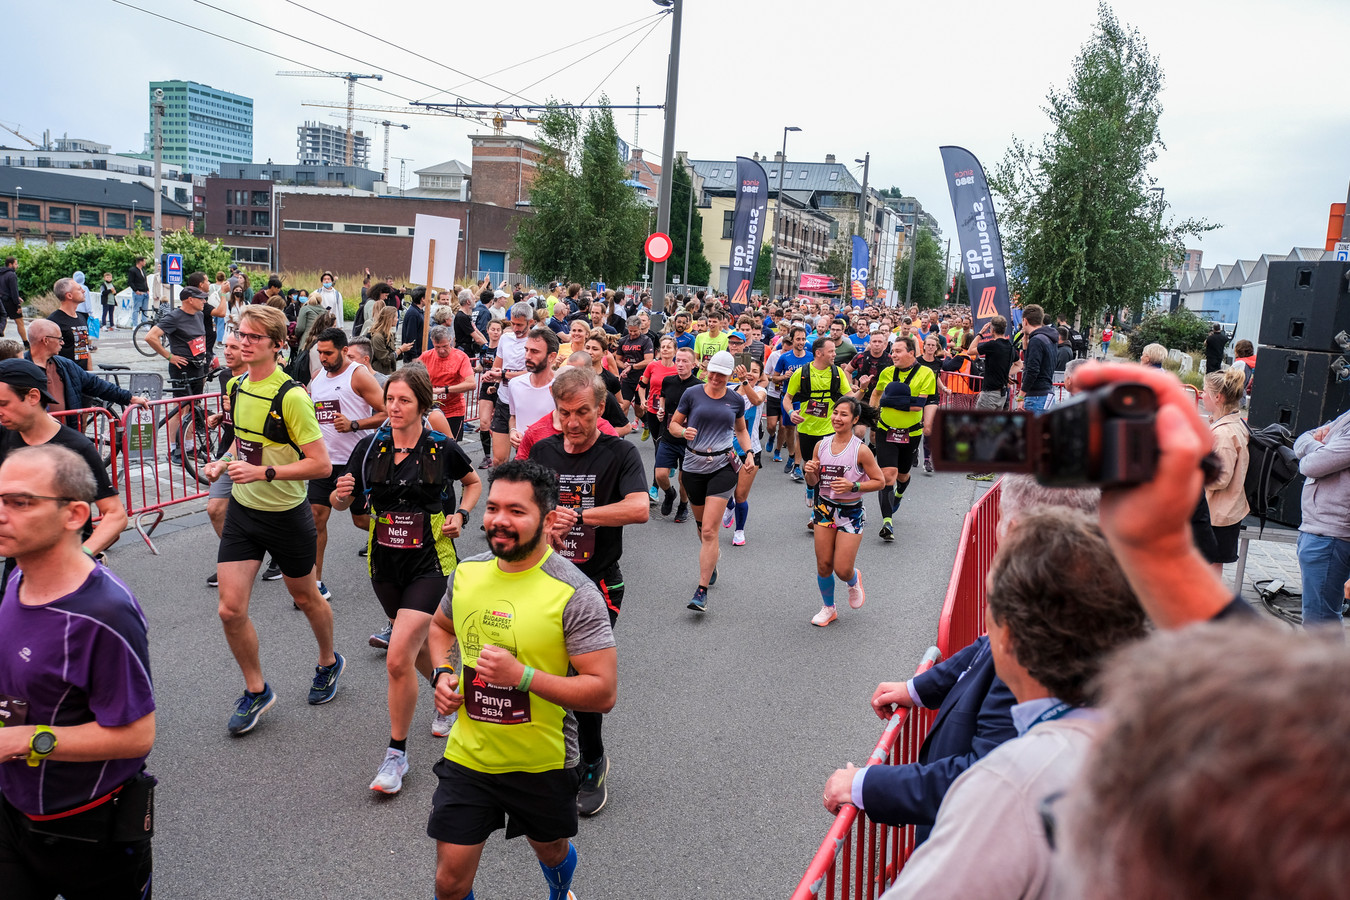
(521, 549)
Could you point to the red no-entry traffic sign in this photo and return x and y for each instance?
(658, 247)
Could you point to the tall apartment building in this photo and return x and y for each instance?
(203, 126)
(321, 144)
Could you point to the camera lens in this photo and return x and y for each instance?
(1133, 401)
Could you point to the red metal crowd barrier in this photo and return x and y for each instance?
(859, 858)
(152, 479)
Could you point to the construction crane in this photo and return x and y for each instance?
(351, 78)
(386, 123)
(23, 137)
(480, 116)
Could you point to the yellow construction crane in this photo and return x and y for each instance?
(351, 78)
(386, 123)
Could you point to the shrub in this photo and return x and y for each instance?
(1180, 329)
(41, 264)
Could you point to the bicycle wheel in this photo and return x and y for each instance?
(196, 456)
(138, 339)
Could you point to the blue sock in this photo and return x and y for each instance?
(559, 877)
(742, 514)
(852, 580)
(826, 583)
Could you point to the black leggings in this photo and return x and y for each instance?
(589, 737)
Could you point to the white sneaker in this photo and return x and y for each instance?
(728, 517)
(738, 539)
(389, 780)
(856, 597)
(440, 726)
(824, 617)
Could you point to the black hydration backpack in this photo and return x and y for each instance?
(1271, 467)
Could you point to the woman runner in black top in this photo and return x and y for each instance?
(405, 473)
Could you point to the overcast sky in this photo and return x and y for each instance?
(1254, 115)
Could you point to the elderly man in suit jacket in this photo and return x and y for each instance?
(973, 704)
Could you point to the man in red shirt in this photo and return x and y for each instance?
(451, 377)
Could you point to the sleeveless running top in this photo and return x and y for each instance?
(333, 394)
(843, 465)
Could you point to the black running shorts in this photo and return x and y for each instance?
(320, 489)
(289, 535)
(420, 595)
(896, 456)
(469, 805)
(702, 485)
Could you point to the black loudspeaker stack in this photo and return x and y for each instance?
(1297, 382)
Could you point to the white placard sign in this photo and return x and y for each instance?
(446, 234)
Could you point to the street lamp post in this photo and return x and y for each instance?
(157, 107)
(688, 229)
(668, 150)
(14, 218)
(778, 213)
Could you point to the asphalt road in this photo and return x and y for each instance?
(726, 726)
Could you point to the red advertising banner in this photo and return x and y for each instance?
(819, 283)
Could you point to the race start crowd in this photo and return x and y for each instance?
(518, 643)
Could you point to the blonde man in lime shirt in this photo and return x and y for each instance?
(269, 511)
(513, 626)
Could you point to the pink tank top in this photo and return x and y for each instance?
(844, 465)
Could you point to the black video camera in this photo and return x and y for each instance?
(1105, 437)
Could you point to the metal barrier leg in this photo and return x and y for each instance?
(146, 532)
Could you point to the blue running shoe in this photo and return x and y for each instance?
(777, 456)
(797, 475)
(325, 681)
(249, 708)
(653, 494)
(700, 601)
(787, 467)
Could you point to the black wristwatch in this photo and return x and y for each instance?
(437, 672)
(465, 513)
(271, 473)
(580, 519)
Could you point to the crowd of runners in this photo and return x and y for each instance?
(517, 645)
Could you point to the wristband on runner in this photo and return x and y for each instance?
(525, 678)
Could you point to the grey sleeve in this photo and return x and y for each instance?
(586, 621)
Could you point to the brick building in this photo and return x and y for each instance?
(504, 167)
(39, 204)
(345, 234)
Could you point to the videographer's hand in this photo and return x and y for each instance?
(1149, 525)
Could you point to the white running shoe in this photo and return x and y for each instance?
(856, 597)
(389, 780)
(728, 517)
(825, 616)
(440, 726)
(738, 539)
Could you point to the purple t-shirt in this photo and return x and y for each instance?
(82, 658)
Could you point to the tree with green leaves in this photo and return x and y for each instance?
(1083, 225)
(41, 264)
(763, 267)
(700, 270)
(929, 269)
(588, 225)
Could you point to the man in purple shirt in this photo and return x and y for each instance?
(76, 701)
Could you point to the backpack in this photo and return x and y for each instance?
(274, 426)
(1272, 466)
(804, 385)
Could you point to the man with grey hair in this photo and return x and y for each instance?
(508, 364)
(1074, 365)
(358, 351)
(451, 377)
(74, 324)
(1219, 773)
(602, 487)
(68, 384)
(974, 705)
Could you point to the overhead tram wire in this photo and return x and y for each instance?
(220, 37)
(410, 52)
(364, 62)
(620, 62)
(581, 59)
(570, 44)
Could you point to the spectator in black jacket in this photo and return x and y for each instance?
(1038, 369)
(140, 292)
(11, 304)
(1063, 352)
(1215, 342)
(412, 325)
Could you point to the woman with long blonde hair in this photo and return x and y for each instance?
(384, 347)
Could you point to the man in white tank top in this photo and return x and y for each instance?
(347, 401)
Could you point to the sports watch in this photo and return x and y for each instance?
(41, 745)
(437, 672)
(271, 473)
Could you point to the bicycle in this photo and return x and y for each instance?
(193, 429)
(140, 331)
